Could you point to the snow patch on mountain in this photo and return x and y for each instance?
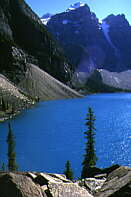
(77, 32)
(75, 6)
(64, 22)
(45, 18)
(106, 28)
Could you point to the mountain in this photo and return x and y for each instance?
(45, 18)
(90, 44)
(25, 44)
(23, 34)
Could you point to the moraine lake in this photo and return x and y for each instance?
(52, 132)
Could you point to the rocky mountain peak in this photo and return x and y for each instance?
(45, 18)
(117, 20)
(76, 6)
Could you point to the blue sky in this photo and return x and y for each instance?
(102, 8)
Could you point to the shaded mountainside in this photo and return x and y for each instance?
(90, 44)
(78, 32)
(23, 41)
(20, 27)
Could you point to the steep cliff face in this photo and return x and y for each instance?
(22, 32)
(120, 34)
(25, 41)
(79, 33)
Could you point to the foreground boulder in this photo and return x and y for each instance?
(118, 184)
(33, 184)
(92, 184)
(39, 185)
(55, 185)
(14, 185)
(67, 190)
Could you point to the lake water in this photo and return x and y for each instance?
(53, 132)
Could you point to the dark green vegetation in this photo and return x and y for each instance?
(12, 166)
(3, 168)
(68, 171)
(90, 155)
(11, 155)
(6, 107)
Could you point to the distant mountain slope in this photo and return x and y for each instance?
(42, 85)
(90, 44)
(105, 81)
(115, 79)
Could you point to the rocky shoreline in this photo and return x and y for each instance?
(38, 184)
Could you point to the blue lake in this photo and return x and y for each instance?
(53, 132)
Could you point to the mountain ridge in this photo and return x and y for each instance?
(89, 44)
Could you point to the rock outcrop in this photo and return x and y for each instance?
(34, 184)
(102, 80)
(18, 186)
(39, 185)
(118, 184)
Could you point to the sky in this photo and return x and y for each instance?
(102, 8)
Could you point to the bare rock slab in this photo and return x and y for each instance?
(16, 185)
(67, 190)
(118, 184)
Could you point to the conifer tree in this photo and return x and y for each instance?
(68, 171)
(12, 166)
(3, 167)
(4, 107)
(90, 155)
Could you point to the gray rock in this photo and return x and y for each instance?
(44, 185)
(55, 185)
(67, 190)
(62, 177)
(45, 178)
(91, 184)
(16, 185)
(116, 79)
(118, 184)
(100, 176)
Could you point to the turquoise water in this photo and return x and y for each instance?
(53, 132)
